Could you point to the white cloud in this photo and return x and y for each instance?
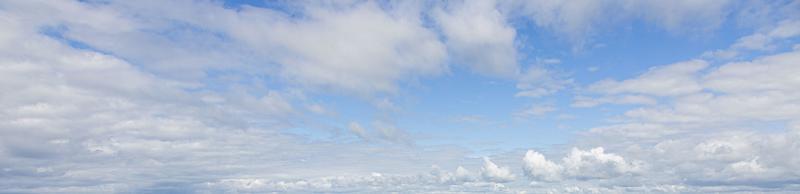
(93, 122)
(130, 111)
(678, 15)
(358, 130)
(381, 130)
(580, 165)
(538, 167)
(734, 131)
(759, 90)
(579, 20)
(575, 18)
(766, 40)
(478, 36)
(536, 110)
(584, 101)
(493, 173)
(539, 81)
(670, 80)
(595, 163)
(771, 73)
(360, 48)
(634, 130)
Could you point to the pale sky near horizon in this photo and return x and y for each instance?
(530, 96)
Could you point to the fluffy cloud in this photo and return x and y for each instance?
(595, 163)
(580, 164)
(538, 167)
(479, 37)
(492, 172)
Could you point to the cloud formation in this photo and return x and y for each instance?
(204, 96)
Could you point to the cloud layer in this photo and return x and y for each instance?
(202, 96)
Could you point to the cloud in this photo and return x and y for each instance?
(538, 82)
(358, 130)
(478, 36)
(131, 97)
(436, 180)
(536, 110)
(720, 135)
(766, 40)
(584, 101)
(580, 165)
(359, 49)
(595, 163)
(580, 20)
(381, 130)
(669, 80)
(538, 167)
(493, 173)
(757, 90)
(88, 120)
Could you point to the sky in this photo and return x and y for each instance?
(533, 96)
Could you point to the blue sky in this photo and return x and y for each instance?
(533, 96)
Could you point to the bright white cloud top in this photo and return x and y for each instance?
(539, 96)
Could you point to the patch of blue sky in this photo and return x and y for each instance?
(58, 33)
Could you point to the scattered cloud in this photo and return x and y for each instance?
(536, 110)
(133, 96)
(539, 81)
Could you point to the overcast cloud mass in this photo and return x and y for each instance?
(531, 96)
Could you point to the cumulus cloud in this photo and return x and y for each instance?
(493, 173)
(538, 167)
(595, 163)
(580, 165)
